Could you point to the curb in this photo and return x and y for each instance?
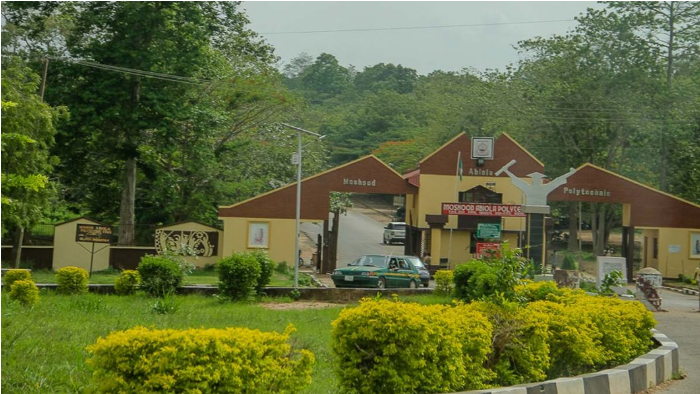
(684, 290)
(644, 372)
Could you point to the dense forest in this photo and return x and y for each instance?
(145, 113)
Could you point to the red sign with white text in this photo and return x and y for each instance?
(478, 209)
(483, 247)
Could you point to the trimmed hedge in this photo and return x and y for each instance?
(12, 276)
(231, 360)
(444, 282)
(25, 292)
(238, 276)
(393, 347)
(127, 282)
(71, 280)
(159, 275)
(267, 268)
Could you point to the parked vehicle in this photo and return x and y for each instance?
(379, 271)
(395, 232)
(424, 273)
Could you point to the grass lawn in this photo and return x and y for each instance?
(43, 348)
(197, 277)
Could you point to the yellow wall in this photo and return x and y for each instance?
(436, 189)
(672, 264)
(67, 252)
(648, 248)
(281, 239)
(199, 261)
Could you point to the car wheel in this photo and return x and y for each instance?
(412, 284)
(381, 283)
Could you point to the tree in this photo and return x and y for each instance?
(121, 111)
(386, 77)
(326, 78)
(27, 135)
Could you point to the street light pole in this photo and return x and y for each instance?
(298, 207)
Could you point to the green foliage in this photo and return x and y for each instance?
(12, 276)
(444, 282)
(28, 128)
(127, 282)
(25, 292)
(238, 276)
(267, 267)
(538, 291)
(494, 277)
(283, 268)
(569, 263)
(610, 280)
(520, 348)
(230, 360)
(167, 304)
(159, 275)
(392, 347)
(71, 280)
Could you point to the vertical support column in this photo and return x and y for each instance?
(326, 249)
(536, 238)
(628, 250)
(435, 243)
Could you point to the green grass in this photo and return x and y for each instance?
(43, 348)
(198, 277)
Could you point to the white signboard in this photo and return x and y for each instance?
(482, 148)
(674, 248)
(607, 265)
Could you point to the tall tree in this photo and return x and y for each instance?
(27, 135)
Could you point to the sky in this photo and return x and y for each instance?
(426, 50)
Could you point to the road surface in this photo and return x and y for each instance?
(682, 324)
(359, 234)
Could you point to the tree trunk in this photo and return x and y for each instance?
(126, 210)
(573, 226)
(17, 240)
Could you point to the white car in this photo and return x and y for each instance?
(395, 232)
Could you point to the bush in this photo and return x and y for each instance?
(538, 291)
(71, 280)
(159, 275)
(520, 347)
(283, 268)
(127, 282)
(12, 276)
(25, 292)
(231, 360)
(267, 267)
(490, 278)
(391, 347)
(569, 263)
(238, 276)
(444, 282)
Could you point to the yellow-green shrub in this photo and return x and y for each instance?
(25, 292)
(72, 280)
(520, 350)
(127, 282)
(392, 347)
(12, 276)
(538, 291)
(231, 360)
(444, 284)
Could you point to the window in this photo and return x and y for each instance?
(656, 248)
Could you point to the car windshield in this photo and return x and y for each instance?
(371, 261)
(416, 262)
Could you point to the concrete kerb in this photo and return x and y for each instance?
(642, 373)
(684, 290)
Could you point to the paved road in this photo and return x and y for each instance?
(682, 324)
(359, 235)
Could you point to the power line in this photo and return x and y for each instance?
(417, 27)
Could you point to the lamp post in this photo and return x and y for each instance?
(298, 208)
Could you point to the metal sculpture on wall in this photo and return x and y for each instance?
(202, 243)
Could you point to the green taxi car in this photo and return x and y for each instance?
(378, 271)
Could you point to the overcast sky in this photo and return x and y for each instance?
(426, 50)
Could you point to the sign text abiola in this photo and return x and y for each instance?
(480, 209)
